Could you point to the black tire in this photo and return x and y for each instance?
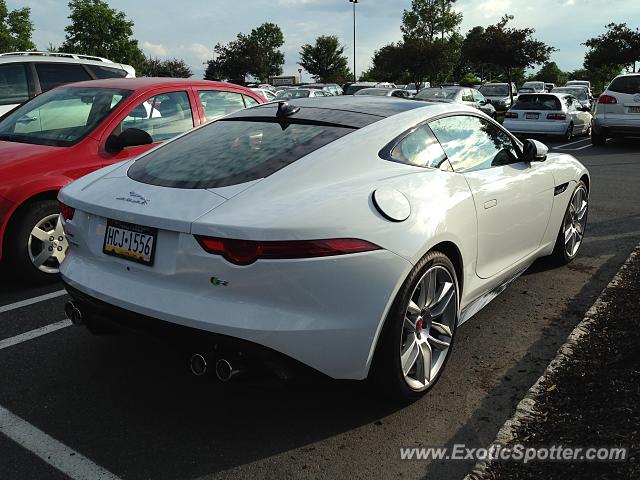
(386, 372)
(568, 135)
(597, 139)
(17, 241)
(560, 257)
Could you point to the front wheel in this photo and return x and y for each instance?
(36, 242)
(418, 335)
(573, 227)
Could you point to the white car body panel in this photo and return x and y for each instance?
(306, 307)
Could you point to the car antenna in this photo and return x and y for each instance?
(286, 110)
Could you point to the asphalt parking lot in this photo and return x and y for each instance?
(127, 407)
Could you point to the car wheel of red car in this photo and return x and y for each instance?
(36, 243)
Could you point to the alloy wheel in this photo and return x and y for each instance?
(429, 322)
(575, 221)
(47, 244)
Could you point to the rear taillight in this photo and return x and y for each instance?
(245, 252)
(66, 211)
(556, 116)
(510, 115)
(607, 100)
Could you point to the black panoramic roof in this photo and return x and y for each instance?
(347, 110)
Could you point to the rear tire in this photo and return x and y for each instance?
(597, 139)
(568, 135)
(425, 333)
(26, 253)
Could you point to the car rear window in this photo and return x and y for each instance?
(537, 102)
(229, 152)
(629, 84)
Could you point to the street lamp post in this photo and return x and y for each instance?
(354, 39)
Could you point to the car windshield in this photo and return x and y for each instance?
(537, 102)
(379, 92)
(437, 94)
(231, 151)
(61, 117)
(494, 90)
(287, 94)
(579, 93)
(352, 89)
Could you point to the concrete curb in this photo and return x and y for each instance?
(527, 406)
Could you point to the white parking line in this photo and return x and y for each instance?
(31, 334)
(572, 143)
(31, 301)
(56, 454)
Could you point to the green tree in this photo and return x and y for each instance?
(96, 29)
(174, 67)
(619, 45)
(325, 60)
(429, 19)
(16, 29)
(469, 80)
(551, 73)
(265, 42)
(509, 49)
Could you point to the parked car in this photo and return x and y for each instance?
(361, 226)
(617, 112)
(301, 93)
(548, 114)
(580, 83)
(384, 92)
(268, 95)
(525, 90)
(499, 94)
(75, 129)
(463, 95)
(549, 87)
(580, 92)
(23, 75)
(352, 88)
(538, 87)
(331, 88)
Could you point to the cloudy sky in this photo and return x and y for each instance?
(188, 29)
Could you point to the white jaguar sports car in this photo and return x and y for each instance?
(353, 235)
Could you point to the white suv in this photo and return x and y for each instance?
(618, 110)
(24, 75)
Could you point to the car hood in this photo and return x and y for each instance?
(16, 152)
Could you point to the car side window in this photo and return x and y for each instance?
(467, 96)
(14, 86)
(162, 116)
(217, 103)
(52, 75)
(472, 143)
(250, 101)
(107, 72)
(419, 148)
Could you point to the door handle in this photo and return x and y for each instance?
(490, 203)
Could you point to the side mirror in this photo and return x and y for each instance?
(131, 137)
(534, 151)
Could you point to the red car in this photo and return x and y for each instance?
(73, 130)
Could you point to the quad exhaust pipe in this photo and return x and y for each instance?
(223, 369)
(73, 313)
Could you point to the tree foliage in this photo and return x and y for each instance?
(551, 73)
(97, 29)
(325, 60)
(16, 29)
(619, 45)
(507, 48)
(174, 67)
(256, 54)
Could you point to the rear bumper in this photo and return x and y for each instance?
(616, 126)
(536, 126)
(325, 313)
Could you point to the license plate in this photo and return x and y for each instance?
(531, 116)
(634, 109)
(133, 242)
